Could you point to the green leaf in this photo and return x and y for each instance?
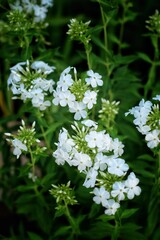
(119, 60)
(128, 212)
(60, 211)
(144, 56)
(146, 157)
(25, 188)
(24, 198)
(65, 230)
(34, 236)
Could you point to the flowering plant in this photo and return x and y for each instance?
(80, 126)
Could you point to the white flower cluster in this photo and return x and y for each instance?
(76, 94)
(147, 120)
(39, 11)
(29, 81)
(98, 156)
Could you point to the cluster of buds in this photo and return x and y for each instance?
(147, 121)
(34, 11)
(153, 24)
(25, 141)
(79, 31)
(108, 113)
(98, 157)
(76, 93)
(29, 82)
(63, 194)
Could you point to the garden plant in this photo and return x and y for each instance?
(80, 120)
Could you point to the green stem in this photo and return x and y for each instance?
(122, 28)
(74, 226)
(33, 161)
(158, 170)
(45, 138)
(152, 71)
(151, 78)
(87, 50)
(27, 47)
(115, 234)
(105, 21)
(39, 117)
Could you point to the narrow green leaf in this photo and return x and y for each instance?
(144, 56)
(128, 212)
(34, 236)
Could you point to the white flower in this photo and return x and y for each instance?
(25, 94)
(65, 142)
(117, 147)
(66, 70)
(90, 123)
(43, 67)
(100, 162)
(153, 138)
(63, 98)
(131, 186)
(157, 97)
(18, 67)
(101, 195)
(14, 80)
(100, 140)
(90, 179)
(15, 76)
(16, 6)
(119, 189)
(91, 139)
(65, 81)
(57, 96)
(140, 112)
(61, 156)
(117, 166)
(18, 147)
(67, 98)
(144, 129)
(111, 207)
(90, 98)
(79, 109)
(106, 142)
(47, 3)
(40, 13)
(94, 79)
(44, 105)
(81, 160)
(32, 176)
(46, 85)
(37, 97)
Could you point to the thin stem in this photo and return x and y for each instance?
(122, 29)
(158, 170)
(32, 159)
(88, 57)
(156, 48)
(39, 116)
(151, 78)
(44, 136)
(116, 228)
(26, 46)
(71, 220)
(105, 21)
(152, 71)
(104, 27)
